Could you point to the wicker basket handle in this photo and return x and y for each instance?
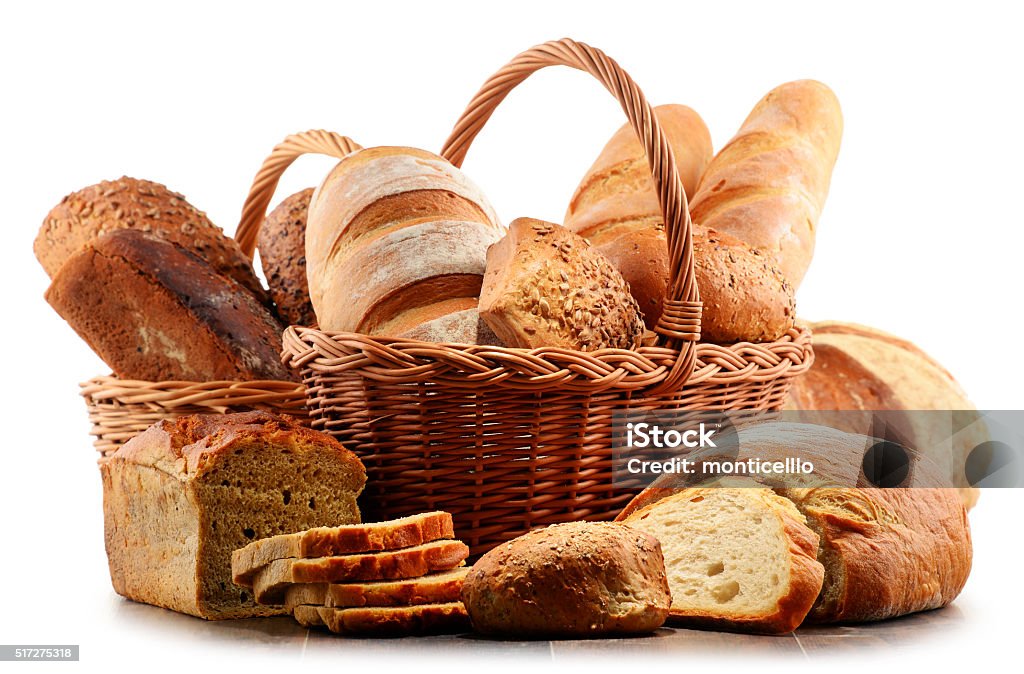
(281, 157)
(679, 326)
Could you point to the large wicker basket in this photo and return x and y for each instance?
(510, 439)
(119, 409)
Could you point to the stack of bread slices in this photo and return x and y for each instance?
(394, 578)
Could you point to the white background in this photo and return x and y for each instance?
(922, 234)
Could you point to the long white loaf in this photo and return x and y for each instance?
(392, 232)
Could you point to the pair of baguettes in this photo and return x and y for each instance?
(385, 579)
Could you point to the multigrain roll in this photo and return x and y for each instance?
(130, 203)
(282, 245)
(581, 579)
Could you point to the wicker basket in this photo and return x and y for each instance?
(119, 409)
(510, 439)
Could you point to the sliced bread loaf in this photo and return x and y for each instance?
(736, 559)
(389, 621)
(343, 540)
(444, 586)
(270, 582)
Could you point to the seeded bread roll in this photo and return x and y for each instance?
(581, 579)
(616, 205)
(130, 203)
(392, 233)
(282, 245)
(767, 186)
(181, 496)
(153, 311)
(545, 286)
(736, 559)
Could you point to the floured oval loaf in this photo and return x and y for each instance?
(396, 237)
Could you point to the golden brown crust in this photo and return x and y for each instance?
(396, 621)
(282, 246)
(570, 580)
(805, 572)
(768, 185)
(546, 286)
(434, 588)
(888, 552)
(130, 203)
(343, 540)
(153, 311)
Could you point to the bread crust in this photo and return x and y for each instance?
(768, 185)
(396, 621)
(888, 552)
(158, 520)
(130, 203)
(546, 286)
(434, 588)
(282, 246)
(805, 572)
(579, 579)
(343, 540)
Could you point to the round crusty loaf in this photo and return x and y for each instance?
(616, 203)
(570, 580)
(861, 368)
(282, 245)
(130, 203)
(546, 286)
(768, 185)
(390, 232)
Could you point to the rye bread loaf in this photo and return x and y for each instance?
(736, 559)
(546, 286)
(861, 368)
(154, 311)
(342, 540)
(391, 232)
(434, 588)
(886, 552)
(767, 186)
(745, 295)
(181, 496)
(282, 246)
(130, 203)
(393, 621)
(270, 582)
(580, 579)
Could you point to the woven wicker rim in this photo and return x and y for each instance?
(666, 366)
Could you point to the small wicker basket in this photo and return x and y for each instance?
(510, 439)
(119, 409)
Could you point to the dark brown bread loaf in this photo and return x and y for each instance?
(282, 246)
(153, 311)
(181, 496)
(130, 203)
(570, 580)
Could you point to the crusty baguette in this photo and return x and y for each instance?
(736, 559)
(887, 552)
(768, 185)
(579, 579)
(395, 621)
(615, 206)
(154, 311)
(282, 246)
(130, 203)
(394, 230)
(546, 286)
(440, 587)
(342, 540)
(270, 582)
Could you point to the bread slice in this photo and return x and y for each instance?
(394, 621)
(343, 540)
(435, 588)
(737, 559)
(308, 616)
(270, 582)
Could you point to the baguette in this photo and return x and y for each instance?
(767, 186)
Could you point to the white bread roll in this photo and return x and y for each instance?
(395, 234)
